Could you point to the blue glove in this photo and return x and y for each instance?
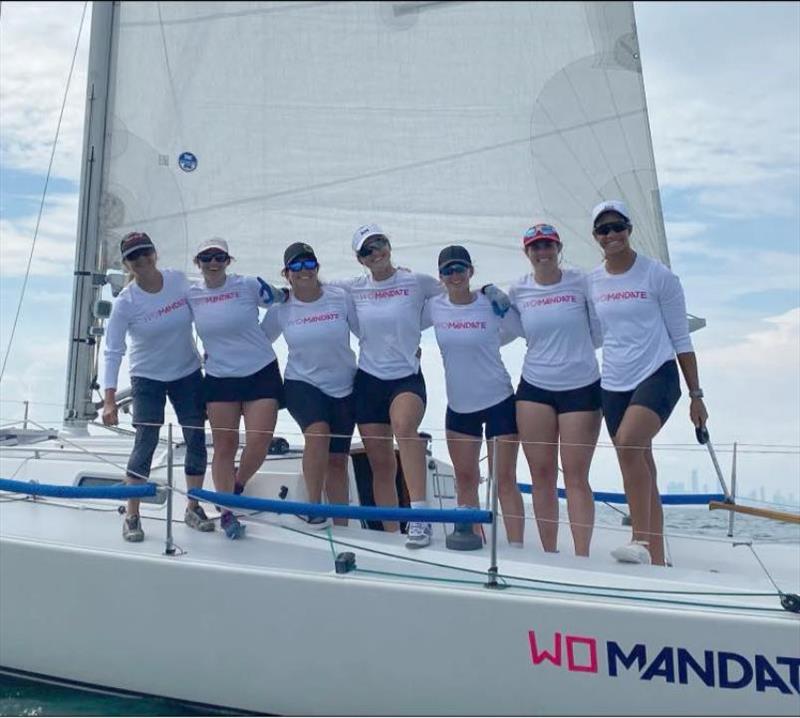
(499, 299)
(270, 294)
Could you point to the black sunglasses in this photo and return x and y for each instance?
(542, 244)
(606, 229)
(376, 244)
(217, 256)
(136, 253)
(454, 268)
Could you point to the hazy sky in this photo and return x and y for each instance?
(723, 86)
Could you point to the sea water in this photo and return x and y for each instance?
(27, 698)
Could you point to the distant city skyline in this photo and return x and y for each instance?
(759, 494)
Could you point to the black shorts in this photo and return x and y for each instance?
(307, 404)
(500, 420)
(584, 398)
(659, 392)
(373, 396)
(266, 383)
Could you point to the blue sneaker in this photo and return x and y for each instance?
(231, 526)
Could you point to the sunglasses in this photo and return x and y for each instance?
(454, 268)
(299, 264)
(537, 229)
(543, 243)
(136, 253)
(373, 246)
(217, 256)
(606, 229)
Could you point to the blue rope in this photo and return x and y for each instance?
(123, 491)
(367, 513)
(615, 498)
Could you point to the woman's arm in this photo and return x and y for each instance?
(116, 329)
(697, 408)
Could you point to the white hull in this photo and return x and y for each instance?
(266, 625)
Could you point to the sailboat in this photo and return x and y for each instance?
(266, 122)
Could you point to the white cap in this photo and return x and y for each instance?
(363, 233)
(212, 243)
(611, 205)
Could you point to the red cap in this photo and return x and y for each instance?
(540, 231)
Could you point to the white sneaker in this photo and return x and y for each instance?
(314, 523)
(419, 534)
(634, 552)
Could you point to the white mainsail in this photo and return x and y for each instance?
(444, 122)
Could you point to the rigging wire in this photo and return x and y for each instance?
(44, 194)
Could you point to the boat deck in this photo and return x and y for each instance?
(715, 574)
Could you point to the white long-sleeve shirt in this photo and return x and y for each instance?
(389, 314)
(159, 331)
(227, 322)
(561, 330)
(469, 338)
(318, 336)
(642, 315)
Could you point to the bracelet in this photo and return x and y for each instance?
(696, 394)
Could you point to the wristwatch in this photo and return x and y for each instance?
(696, 394)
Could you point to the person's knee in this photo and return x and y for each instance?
(469, 480)
(545, 472)
(226, 442)
(406, 430)
(338, 462)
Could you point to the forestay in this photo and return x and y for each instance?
(445, 122)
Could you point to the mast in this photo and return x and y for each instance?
(85, 326)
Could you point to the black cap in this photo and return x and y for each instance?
(454, 253)
(297, 250)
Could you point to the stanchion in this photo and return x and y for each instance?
(733, 491)
(169, 549)
(492, 573)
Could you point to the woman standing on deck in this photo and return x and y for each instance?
(153, 313)
(642, 312)
(389, 389)
(558, 398)
(479, 391)
(242, 376)
(316, 323)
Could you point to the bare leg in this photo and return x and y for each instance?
(315, 458)
(406, 414)
(509, 494)
(538, 433)
(632, 441)
(224, 418)
(579, 431)
(656, 514)
(259, 424)
(336, 483)
(379, 445)
(465, 451)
